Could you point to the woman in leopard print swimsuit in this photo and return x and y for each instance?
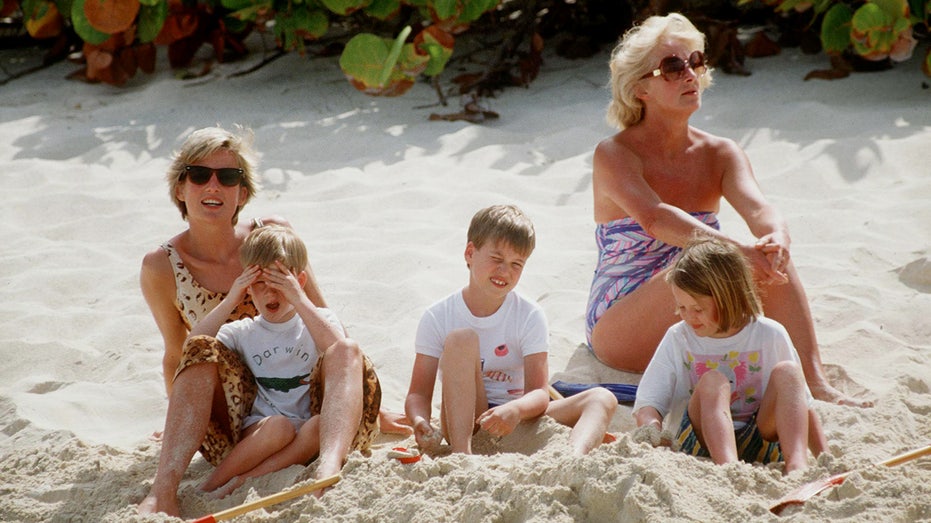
(210, 392)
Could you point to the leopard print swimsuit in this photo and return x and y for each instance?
(194, 302)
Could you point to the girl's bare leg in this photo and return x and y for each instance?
(710, 411)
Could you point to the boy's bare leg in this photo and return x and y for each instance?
(588, 413)
(463, 392)
(710, 413)
(341, 411)
(259, 442)
(301, 450)
(192, 397)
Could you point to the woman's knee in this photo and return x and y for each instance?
(344, 352)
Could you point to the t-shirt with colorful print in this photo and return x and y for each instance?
(746, 358)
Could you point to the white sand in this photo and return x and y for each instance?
(383, 197)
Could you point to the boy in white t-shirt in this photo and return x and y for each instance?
(490, 345)
(285, 348)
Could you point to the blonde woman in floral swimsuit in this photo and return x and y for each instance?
(658, 181)
(210, 180)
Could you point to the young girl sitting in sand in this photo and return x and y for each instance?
(747, 397)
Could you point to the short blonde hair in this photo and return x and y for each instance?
(632, 58)
(503, 223)
(274, 243)
(711, 267)
(204, 142)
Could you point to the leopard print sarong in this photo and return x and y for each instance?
(239, 389)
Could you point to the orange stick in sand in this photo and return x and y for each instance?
(268, 500)
(812, 489)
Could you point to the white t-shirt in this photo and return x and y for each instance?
(746, 358)
(516, 330)
(281, 356)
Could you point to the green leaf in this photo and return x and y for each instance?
(893, 8)
(835, 29)
(64, 8)
(150, 21)
(34, 9)
(300, 23)
(154, 3)
(438, 45)
(237, 5)
(383, 9)
(364, 57)
(444, 9)
(393, 54)
(872, 31)
(83, 28)
(250, 13)
(472, 10)
(410, 63)
(344, 7)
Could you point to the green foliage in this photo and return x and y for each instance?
(872, 29)
(301, 22)
(83, 27)
(382, 67)
(383, 9)
(835, 30)
(151, 19)
(373, 63)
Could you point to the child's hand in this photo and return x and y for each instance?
(499, 421)
(241, 285)
(284, 281)
(428, 438)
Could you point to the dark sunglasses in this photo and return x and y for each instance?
(673, 68)
(200, 175)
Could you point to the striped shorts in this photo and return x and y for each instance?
(751, 447)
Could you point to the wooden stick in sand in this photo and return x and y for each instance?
(269, 500)
(810, 490)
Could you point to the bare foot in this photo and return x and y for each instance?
(225, 490)
(153, 504)
(325, 470)
(394, 423)
(826, 392)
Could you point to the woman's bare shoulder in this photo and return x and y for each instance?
(156, 261)
(713, 141)
(618, 147)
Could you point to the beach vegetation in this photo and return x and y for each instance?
(386, 46)
(879, 31)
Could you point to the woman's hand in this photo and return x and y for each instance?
(768, 259)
